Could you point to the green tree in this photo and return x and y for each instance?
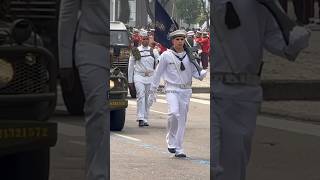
(189, 10)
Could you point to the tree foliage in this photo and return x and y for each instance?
(189, 10)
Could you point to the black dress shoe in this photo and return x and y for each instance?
(141, 123)
(181, 155)
(146, 124)
(172, 150)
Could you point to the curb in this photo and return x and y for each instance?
(283, 90)
(308, 117)
(291, 116)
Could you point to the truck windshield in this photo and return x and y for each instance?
(119, 38)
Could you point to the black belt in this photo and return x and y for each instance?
(237, 78)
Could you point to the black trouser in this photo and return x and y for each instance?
(205, 60)
(284, 4)
(303, 10)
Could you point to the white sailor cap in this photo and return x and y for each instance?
(143, 33)
(178, 33)
(135, 30)
(190, 33)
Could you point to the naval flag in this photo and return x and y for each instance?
(163, 25)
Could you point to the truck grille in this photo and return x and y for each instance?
(122, 64)
(28, 78)
(34, 9)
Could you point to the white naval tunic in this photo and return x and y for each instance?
(137, 69)
(141, 73)
(178, 99)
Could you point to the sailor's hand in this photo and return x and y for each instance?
(152, 98)
(203, 74)
(298, 40)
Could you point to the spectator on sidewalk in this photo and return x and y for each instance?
(205, 47)
(303, 10)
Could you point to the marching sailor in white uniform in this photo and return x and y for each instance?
(142, 63)
(177, 68)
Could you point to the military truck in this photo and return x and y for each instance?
(28, 77)
(119, 56)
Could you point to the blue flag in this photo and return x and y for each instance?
(163, 25)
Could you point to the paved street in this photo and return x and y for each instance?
(282, 149)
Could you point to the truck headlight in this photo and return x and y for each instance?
(6, 73)
(111, 82)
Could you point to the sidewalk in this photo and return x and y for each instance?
(282, 79)
(295, 110)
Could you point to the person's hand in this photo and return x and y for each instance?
(298, 40)
(203, 74)
(152, 98)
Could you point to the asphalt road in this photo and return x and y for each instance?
(282, 149)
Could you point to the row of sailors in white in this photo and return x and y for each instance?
(176, 69)
(140, 72)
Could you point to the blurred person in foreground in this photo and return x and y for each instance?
(242, 30)
(83, 38)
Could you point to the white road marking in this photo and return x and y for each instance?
(291, 126)
(158, 112)
(70, 130)
(201, 101)
(133, 104)
(126, 137)
(78, 142)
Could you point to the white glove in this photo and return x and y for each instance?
(152, 98)
(203, 74)
(298, 40)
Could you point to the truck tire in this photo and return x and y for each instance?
(72, 94)
(117, 119)
(26, 165)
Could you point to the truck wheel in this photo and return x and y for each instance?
(73, 96)
(117, 119)
(26, 165)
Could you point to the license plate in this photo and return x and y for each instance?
(23, 132)
(118, 103)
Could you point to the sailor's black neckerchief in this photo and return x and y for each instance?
(191, 59)
(182, 68)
